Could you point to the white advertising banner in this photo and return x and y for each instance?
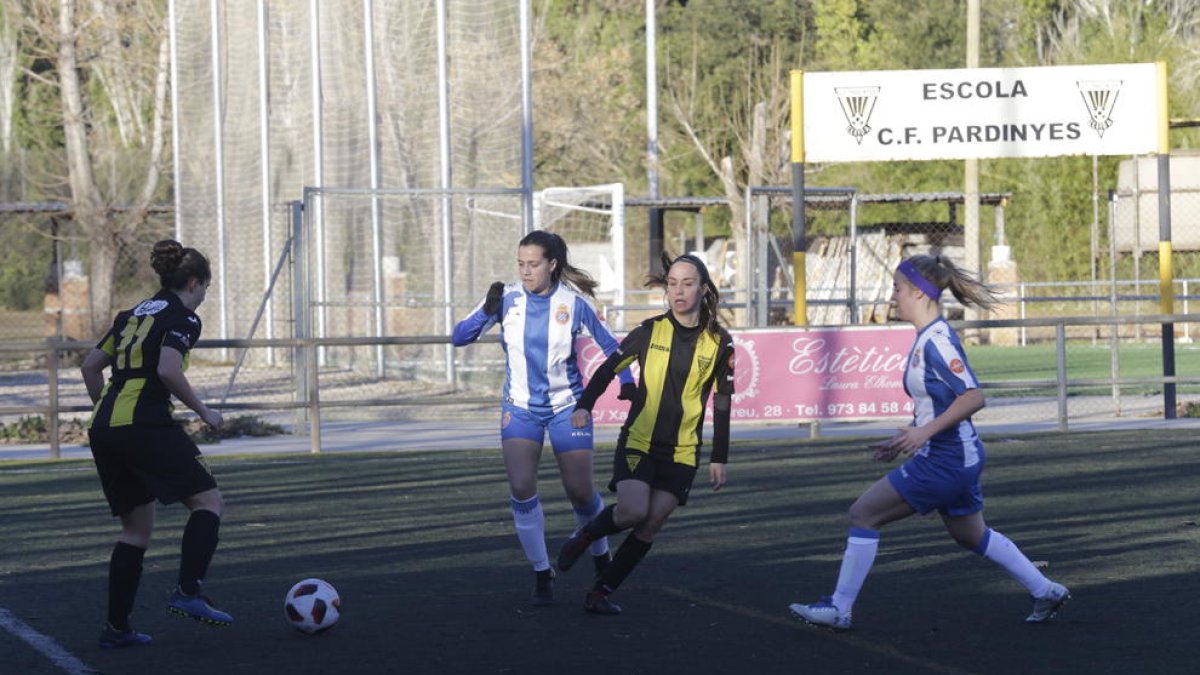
(887, 115)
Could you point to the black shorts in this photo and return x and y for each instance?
(659, 474)
(140, 464)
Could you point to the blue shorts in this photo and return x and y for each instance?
(518, 422)
(926, 486)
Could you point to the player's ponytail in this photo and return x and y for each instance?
(555, 248)
(944, 274)
(176, 264)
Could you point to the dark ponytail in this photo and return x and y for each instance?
(554, 248)
(944, 274)
(176, 264)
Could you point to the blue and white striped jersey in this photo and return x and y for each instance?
(937, 373)
(538, 334)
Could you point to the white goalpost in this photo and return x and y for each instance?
(592, 221)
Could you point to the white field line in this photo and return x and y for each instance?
(44, 644)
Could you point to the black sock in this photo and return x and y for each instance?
(602, 525)
(124, 575)
(199, 544)
(628, 556)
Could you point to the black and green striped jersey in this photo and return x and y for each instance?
(134, 394)
(679, 367)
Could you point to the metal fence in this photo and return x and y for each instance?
(306, 392)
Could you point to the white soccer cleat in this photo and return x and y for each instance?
(1045, 608)
(822, 613)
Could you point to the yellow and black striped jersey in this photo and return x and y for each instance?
(679, 367)
(134, 394)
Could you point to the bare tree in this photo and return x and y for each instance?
(100, 58)
(742, 144)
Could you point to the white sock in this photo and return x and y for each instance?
(531, 530)
(856, 564)
(1000, 550)
(583, 517)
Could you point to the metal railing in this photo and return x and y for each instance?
(307, 396)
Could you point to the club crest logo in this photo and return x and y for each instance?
(632, 459)
(857, 105)
(150, 307)
(562, 314)
(957, 366)
(1100, 96)
(916, 361)
(505, 419)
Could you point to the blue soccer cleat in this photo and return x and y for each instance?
(196, 607)
(113, 638)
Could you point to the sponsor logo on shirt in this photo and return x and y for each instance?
(562, 314)
(956, 365)
(150, 307)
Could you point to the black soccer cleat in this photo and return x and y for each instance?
(596, 602)
(571, 549)
(543, 588)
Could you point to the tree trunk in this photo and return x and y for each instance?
(88, 207)
(103, 249)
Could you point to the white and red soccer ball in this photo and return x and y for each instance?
(312, 605)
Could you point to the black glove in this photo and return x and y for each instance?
(491, 306)
(629, 391)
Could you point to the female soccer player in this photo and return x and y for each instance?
(682, 353)
(141, 453)
(539, 318)
(947, 456)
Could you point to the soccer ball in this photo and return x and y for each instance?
(312, 605)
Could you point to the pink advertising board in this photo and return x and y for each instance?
(797, 375)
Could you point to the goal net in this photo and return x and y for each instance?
(592, 221)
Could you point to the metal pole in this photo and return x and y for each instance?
(1060, 348)
(373, 160)
(1166, 281)
(526, 115)
(1137, 244)
(175, 170)
(219, 159)
(799, 301)
(1166, 274)
(264, 151)
(618, 245)
(760, 237)
(1095, 250)
(446, 181)
(1114, 338)
(854, 258)
(300, 305)
(652, 99)
(52, 412)
(971, 167)
(317, 211)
